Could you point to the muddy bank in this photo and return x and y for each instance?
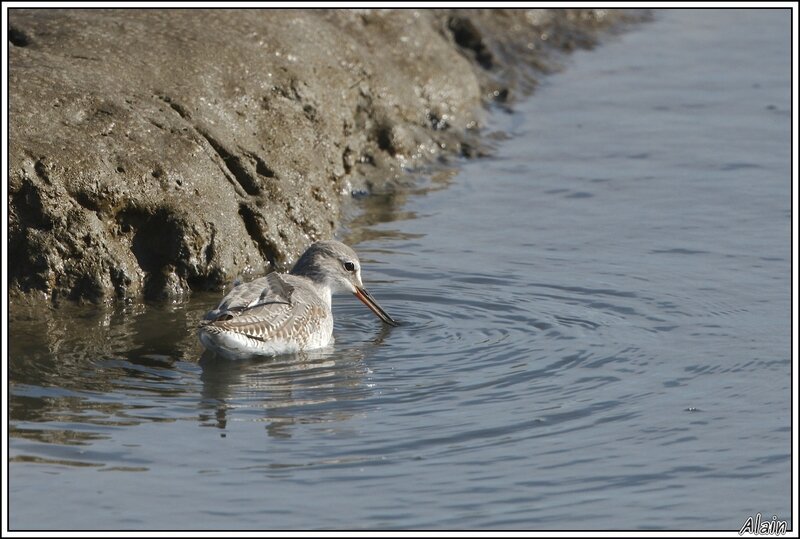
(155, 152)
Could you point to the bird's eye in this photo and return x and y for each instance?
(349, 266)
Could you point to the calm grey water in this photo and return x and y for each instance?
(597, 334)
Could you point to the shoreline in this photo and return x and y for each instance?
(206, 155)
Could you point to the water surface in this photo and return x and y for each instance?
(596, 334)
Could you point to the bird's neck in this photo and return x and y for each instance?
(325, 293)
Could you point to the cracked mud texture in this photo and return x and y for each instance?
(155, 152)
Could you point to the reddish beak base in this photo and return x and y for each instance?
(370, 302)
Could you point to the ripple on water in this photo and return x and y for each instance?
(481, 341)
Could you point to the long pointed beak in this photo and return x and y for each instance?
(369, 301)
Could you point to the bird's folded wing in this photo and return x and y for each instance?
(272, 289)
(271, 317)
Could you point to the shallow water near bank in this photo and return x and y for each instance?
(596, 334)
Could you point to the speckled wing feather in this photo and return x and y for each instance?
(273, 308)
(273, 288)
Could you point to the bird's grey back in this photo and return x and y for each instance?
(272, 288)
